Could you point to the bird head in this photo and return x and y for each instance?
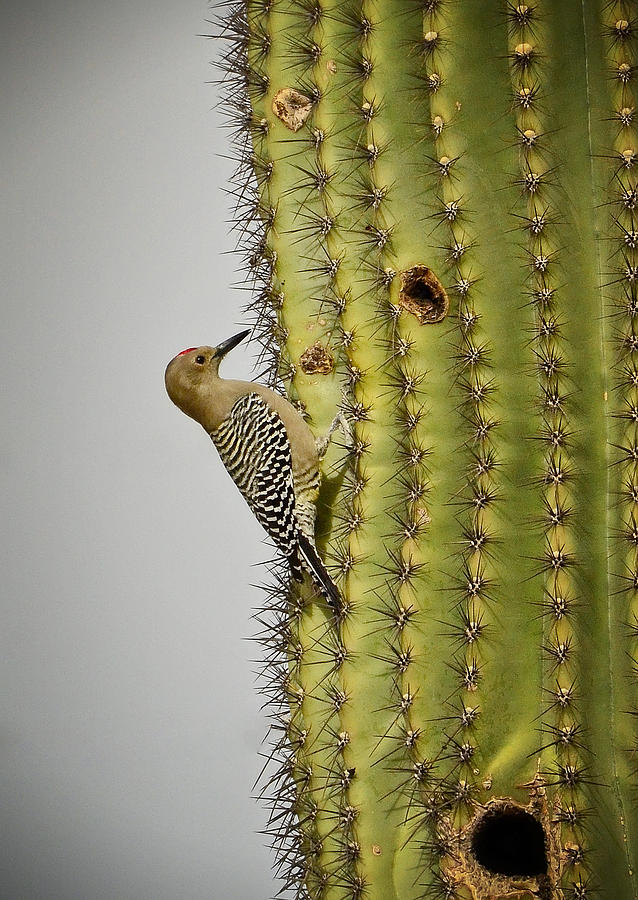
(190, 375)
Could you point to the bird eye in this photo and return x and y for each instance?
(200, 359)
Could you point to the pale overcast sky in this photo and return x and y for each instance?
(130, 725)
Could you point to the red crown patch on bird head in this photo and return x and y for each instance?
(187, 351)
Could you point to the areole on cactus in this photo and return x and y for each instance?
(438, 208)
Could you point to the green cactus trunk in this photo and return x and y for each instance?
(441, 228)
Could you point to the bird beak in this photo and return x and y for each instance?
(223, 348)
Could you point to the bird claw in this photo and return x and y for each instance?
(339, 422)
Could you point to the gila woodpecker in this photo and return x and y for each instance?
(267, 448)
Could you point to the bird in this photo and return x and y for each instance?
(267, 448)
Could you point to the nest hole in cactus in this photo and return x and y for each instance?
(507, 840)
(422, 294)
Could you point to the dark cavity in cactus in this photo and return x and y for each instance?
(437, 209)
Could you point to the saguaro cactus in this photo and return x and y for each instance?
(437, 203)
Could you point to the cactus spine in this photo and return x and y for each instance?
(437, 203)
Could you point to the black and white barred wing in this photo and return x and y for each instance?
(253, 445)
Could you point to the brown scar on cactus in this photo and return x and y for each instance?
(422, 294)
(291, 107)
(316, 360)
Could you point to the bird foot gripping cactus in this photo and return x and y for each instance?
(340, 422)
(438, 202)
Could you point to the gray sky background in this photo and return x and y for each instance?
(129, 723)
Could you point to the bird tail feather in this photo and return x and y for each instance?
(319, 572)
